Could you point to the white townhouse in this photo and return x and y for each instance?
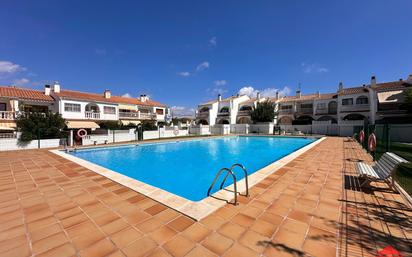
(85, 110)
(245, 108)
(220, 111)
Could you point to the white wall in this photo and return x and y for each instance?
(162, 133)
(9, 144)
(264, 128)
(220, 129)
(200, 130)
(81, 114)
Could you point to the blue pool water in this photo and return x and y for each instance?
(187, 168)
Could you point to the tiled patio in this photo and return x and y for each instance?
(50, 206)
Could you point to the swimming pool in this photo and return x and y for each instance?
(187, 168)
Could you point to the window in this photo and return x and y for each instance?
(286, 107)
(362, 100)
(159, 111)
(347, 101)
(109, 110)
(321, 106)
(71, 107)
(308, 106)
(2, 107)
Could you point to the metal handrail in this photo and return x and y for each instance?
(246, 177)
(217, 176)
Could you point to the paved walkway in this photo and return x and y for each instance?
(311, 207)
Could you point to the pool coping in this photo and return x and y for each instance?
(195, 210)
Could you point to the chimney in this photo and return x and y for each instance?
(340, 88)
(298, 94)
(277, 95)
(373, 81)
(107, 94)
(219, 97)
(143, 98)
(56, 87)
(47, 89)
(318, 94)
(258, 95)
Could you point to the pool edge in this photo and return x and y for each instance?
(195, 210)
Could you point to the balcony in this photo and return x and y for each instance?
(305, 110)
(243, 113)
(285, 111)
(203, 114)
(223, 114)
(147, 116)
(129, 115)
(326, 111)
(92, 115)
(7, 115)
(355, 108)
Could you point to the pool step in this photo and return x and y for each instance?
(230, 171)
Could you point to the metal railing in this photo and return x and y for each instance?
(129, 115)
(305, 110)
(243, 113)
(230, 171)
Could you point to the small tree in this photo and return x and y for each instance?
(112, 125)
(40, 126)
(263, 112)
(148, 125)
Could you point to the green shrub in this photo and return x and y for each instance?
(41, 126)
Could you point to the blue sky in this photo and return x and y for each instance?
(185, 52)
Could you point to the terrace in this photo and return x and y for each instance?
(310, 207)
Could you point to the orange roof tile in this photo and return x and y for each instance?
(24, 93)
(100, 98)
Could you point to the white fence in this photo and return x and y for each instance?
(199, 130)
(239, 128)
(112, 136)
(164, 133)
(220, 129)
(9, 144)
(263, 128)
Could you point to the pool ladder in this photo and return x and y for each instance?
(230, 171)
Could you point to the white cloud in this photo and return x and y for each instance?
(20, 82)
(100, 51)
(220, 82)
(184, 74)
(266, 92)
(127, 95)
(203, 66)
(7, 67)
(181, 111)
(313, 68)
(213, 41)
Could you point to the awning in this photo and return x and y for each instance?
(82, 124)
(127, 107)
(8, 126)
(396, 96)
(127, 122)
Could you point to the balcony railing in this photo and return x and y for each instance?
(355, 108)
(243, 113)
(92, 115)
(203, 114)
(305, 110)
(147, 116)
(326, 111)
(223, 113)
(7, 115)
(129, 115)
(285, 111)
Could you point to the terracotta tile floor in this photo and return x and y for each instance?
(50, 206)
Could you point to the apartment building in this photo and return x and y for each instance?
(220, 111)
(80, 109)
(374, 102)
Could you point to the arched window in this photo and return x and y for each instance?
(204, 109)
(362, 100)
(245, 108)
(224, 109)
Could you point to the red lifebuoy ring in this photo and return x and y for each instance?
(176, 132)
(82, 133)
(361, 136)
(372, 142)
